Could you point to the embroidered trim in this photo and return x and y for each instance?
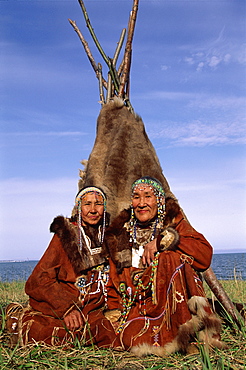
(99, 279)
(156, 330)
(128, 304)
(184, 258)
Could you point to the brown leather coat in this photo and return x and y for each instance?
(53, 293)
(164, 305)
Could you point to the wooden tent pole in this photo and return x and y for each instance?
(88, 24)
(87, 50)
(102, 99)
(220, 294)
(128, 49)
(116, 83)
(119, 47)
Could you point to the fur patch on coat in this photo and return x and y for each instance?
(169, 239)
(81, 260)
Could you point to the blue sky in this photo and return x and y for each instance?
(187, 83)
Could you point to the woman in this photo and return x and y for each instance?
(67, 287)
(154, 285)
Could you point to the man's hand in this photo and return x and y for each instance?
(149, 252)
(73, 320)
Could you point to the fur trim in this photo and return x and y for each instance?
(145, 349)
(206, 327)
(169, 240)
(68, 234)
(112, 315)
(119, 221)
(118, 241)
(116, 102)
(203, 326)
(172, 211)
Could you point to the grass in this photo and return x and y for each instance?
(12, 292)
(236, 290)
(37, 356)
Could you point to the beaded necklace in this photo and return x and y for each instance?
(128, 300)
(137, 233)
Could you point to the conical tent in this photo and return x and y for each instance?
(122, 151)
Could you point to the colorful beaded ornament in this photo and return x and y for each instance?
(126, 293)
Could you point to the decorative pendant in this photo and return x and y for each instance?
(122, 287)
(96, 250)
(181, 297)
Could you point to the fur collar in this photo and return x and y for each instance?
(81, 260)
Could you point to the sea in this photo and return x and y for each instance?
(227, 266)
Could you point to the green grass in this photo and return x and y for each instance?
(236, 290)
(43, 357)
(12, 292)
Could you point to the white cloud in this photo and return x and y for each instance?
(199, 133)
(232, 103)
(241, 54)
(200, 66)
(227, 58)
(189, 60)
(164, 68)
(214, 61)
(198, 100)
(215, 52)
(226, 123)
(164, 95)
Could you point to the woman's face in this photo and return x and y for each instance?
(92, 208)
(144, 203)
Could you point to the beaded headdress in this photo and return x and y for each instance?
(151, 181)
(78, 200)
(90, 189)
(160, 199)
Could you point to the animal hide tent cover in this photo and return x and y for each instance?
(122, 153)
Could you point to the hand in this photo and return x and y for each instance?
(73, 320)
(149, 252)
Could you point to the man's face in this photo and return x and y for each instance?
(144, 203)
(92, 208)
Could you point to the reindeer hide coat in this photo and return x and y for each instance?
(53, 293)
(163, 305)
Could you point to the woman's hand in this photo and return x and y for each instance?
(73, 320)
(149, 252)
